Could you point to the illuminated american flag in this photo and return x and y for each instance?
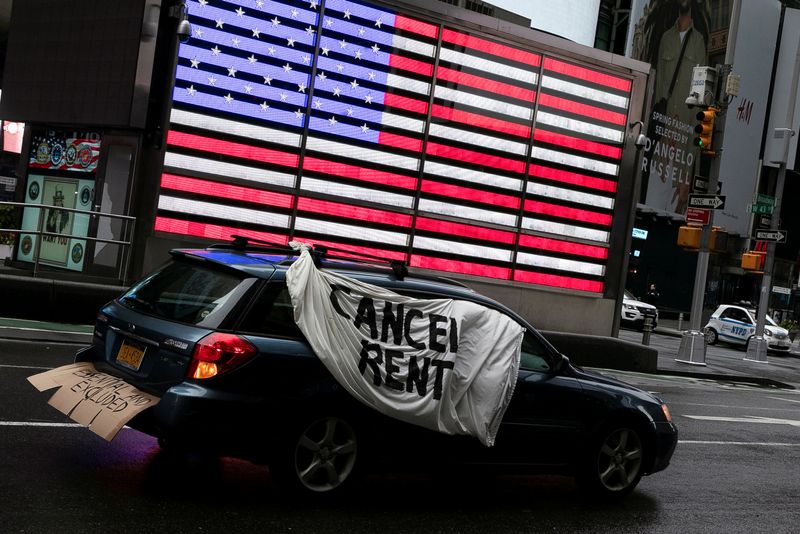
(344, 123)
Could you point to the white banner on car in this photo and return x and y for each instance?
(444, 364)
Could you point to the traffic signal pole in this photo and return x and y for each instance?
(692, 349)
(757, 346)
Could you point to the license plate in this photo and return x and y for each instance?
(130, 355)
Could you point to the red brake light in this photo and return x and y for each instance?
(217, 353)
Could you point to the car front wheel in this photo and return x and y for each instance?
(320, 458)
(711, 336)
(615, 463)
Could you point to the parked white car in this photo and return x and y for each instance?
(633, 311)
(736, 325)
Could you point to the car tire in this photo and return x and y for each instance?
(711, 336)
(614, 463)
(318, 459)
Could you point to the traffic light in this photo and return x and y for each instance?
(705, 129)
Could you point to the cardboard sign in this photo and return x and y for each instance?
(97, 400)
(446, 364)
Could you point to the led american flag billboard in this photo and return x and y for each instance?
(350, 124)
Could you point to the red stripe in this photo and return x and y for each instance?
(466, 193)
(354, 212)
(555, 280)
(553, 245)
(212, 231)
(470, 156)
(588, 75)
(416, 26)
(400, 141)
(463, 78)
(234, 192)
(577, 144)
(239, 150)
(465, 230)
(572, 178)
(388, 254)
(567, 213)
(402, 102)
(359, 173)
(480, 121)
(463, 267)
(412, 65)
(497, 49)
(582, 109)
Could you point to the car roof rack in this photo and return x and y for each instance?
(399, 267)
(239, 242)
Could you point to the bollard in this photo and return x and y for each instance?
(680, 321)
(646, 329)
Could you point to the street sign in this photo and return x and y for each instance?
(697, 215)
(713, 202)
(765, 199)
(781, 290)
(700, 185)
(761, 209)
(764, 221)
(777, 236)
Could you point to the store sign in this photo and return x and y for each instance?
(638, 233)
(64, 151)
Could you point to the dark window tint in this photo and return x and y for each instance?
(735, 314)
(188, 293)
(272, 314)
(534, 356)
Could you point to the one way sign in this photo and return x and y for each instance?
(778, 236)
(714, 202)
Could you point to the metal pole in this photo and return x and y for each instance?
(692, 349)
(757, 346)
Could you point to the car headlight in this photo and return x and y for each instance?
(665, 411)
(629, 307)
(768, 332)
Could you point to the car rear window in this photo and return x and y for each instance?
(189, 293)
(272, 314)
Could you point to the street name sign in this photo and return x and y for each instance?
(781, 290)
(712, 202)
(777, 236)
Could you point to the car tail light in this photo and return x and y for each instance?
(217, 353)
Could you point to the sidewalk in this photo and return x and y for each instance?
(780, 371)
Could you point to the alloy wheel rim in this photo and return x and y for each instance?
(325, 454)
(620, 459)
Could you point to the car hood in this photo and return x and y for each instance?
(603, 380)
(638, 303)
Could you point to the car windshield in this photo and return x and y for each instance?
(629, 295)
(769, 320)
(187, 292)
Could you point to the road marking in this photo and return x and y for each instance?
(764, 420)
(29, 423)
(748, 443)
(24, 367)
(782, 399)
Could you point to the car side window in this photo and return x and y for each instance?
(272, 314)
(735, 314)
(534, 355)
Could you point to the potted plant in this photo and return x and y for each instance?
(792, 326)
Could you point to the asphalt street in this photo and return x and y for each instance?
(734, 471)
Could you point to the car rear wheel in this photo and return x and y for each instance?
(615, 463)
(320, 458)
(711, 336)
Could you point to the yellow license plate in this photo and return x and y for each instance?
(130, 355)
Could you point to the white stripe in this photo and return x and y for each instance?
(481, 140)
(482, 102)
(585, 92)
(228, 170)
(501, 69)
(570, 195)
(409, 84)
(464, 212)
(215, 124)
(361, 154)
(354, 232)
(560, 264)
(24, 366)
(412, 45)
(575, 161)
(28, 423)
(465, 249)
(564, 230)
(400, 121)
(579, 126)
(745, 443)
(230, 213)
(353, 192)
(472, 176)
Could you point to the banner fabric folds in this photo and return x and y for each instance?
(444, 364)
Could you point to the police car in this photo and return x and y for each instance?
(737, 324)
(634, 311)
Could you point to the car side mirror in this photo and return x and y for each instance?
(562, 363)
